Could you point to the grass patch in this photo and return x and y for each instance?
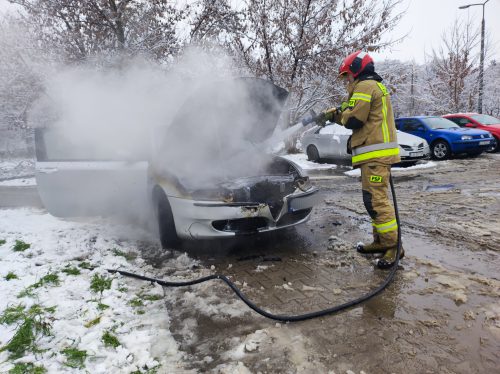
(136, 302)
(123, 289)
(146, 370)
(140, 312)
(100, 283)
(49, 279)
(10, 275)
(71, 270)
(74, 358)
(20, 246)
(129, 256)
(110, 340)
(31, 324)
(102, 306)
(151, 297)
(2, 241)
(93, 322)
(27, 368)
(85, 265)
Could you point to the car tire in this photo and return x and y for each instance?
(495, 147)
(440, 150)
(166, 224)
(312, 153)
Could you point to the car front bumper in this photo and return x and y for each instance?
(414, 155)
(215, 219)
(474, 145)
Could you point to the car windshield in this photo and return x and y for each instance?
(484, 119)
(439, 123)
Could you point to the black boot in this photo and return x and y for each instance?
(389, 258)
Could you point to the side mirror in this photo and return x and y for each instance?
(470, 124)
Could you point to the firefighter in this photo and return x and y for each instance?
(374, 148)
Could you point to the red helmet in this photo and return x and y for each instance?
(355, 63)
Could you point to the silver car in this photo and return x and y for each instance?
(330, 142)
(200, 183)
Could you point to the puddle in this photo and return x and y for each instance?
(440, 188)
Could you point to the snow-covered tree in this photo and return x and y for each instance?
(83, 28)
(299, 44)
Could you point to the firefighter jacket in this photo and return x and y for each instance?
(369, 115)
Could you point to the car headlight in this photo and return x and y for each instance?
(466, 137)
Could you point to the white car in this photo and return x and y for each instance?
(199, 180)
(330, 142)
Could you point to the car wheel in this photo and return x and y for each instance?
(494, 147)
(166, 224)
(440, 150)
(312, 153)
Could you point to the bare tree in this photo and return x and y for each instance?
(298, 44)
(451, 71)
(82, 28)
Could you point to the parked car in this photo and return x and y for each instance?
(445, 138)
(330, 142)
(252, 194)
(481, 122)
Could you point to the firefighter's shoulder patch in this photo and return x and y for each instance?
(375, 178)
(352, 102)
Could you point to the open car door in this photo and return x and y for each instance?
(75, 180)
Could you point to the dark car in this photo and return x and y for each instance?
(446, 138)
(481, 122)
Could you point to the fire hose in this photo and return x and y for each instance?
(282, 317)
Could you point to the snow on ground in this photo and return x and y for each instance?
(18, 182)
(53, 270)
(11, 168)
(425, 165)
(301, 160)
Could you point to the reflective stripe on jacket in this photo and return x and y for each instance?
(374, 136)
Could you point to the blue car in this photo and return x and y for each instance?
(445, 138)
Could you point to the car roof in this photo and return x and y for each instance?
(418, 117)
(460, 114)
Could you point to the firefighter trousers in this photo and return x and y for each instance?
(375, 185)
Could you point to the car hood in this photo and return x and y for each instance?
(216, 133)
(250, 107)
(492, 128)
(462, 131)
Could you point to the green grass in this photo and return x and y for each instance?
(27, 368)
(2, 241)
(49, 279)
(30, 325)
(100, 283)
(10, 275)
(102, 306)
(110, 340)
(136, 302)
(85, 265)
(129, 256)
(71, 270)
(147, 371)
(93, 322)
(151, 297)
(74, 358)
(20, 246)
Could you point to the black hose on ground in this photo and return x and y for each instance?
(285, 318)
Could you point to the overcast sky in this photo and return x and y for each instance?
(424, 22)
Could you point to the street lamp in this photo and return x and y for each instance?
(481, 58)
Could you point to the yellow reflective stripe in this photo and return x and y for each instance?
(385, 128)
(375, 154)
(386, 227)
(361, 96)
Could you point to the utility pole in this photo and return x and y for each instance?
(481, 58)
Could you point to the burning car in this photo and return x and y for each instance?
(225, 185)
(206, 175)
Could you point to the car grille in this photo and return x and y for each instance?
(241, 226)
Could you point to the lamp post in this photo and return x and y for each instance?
(481, 58)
